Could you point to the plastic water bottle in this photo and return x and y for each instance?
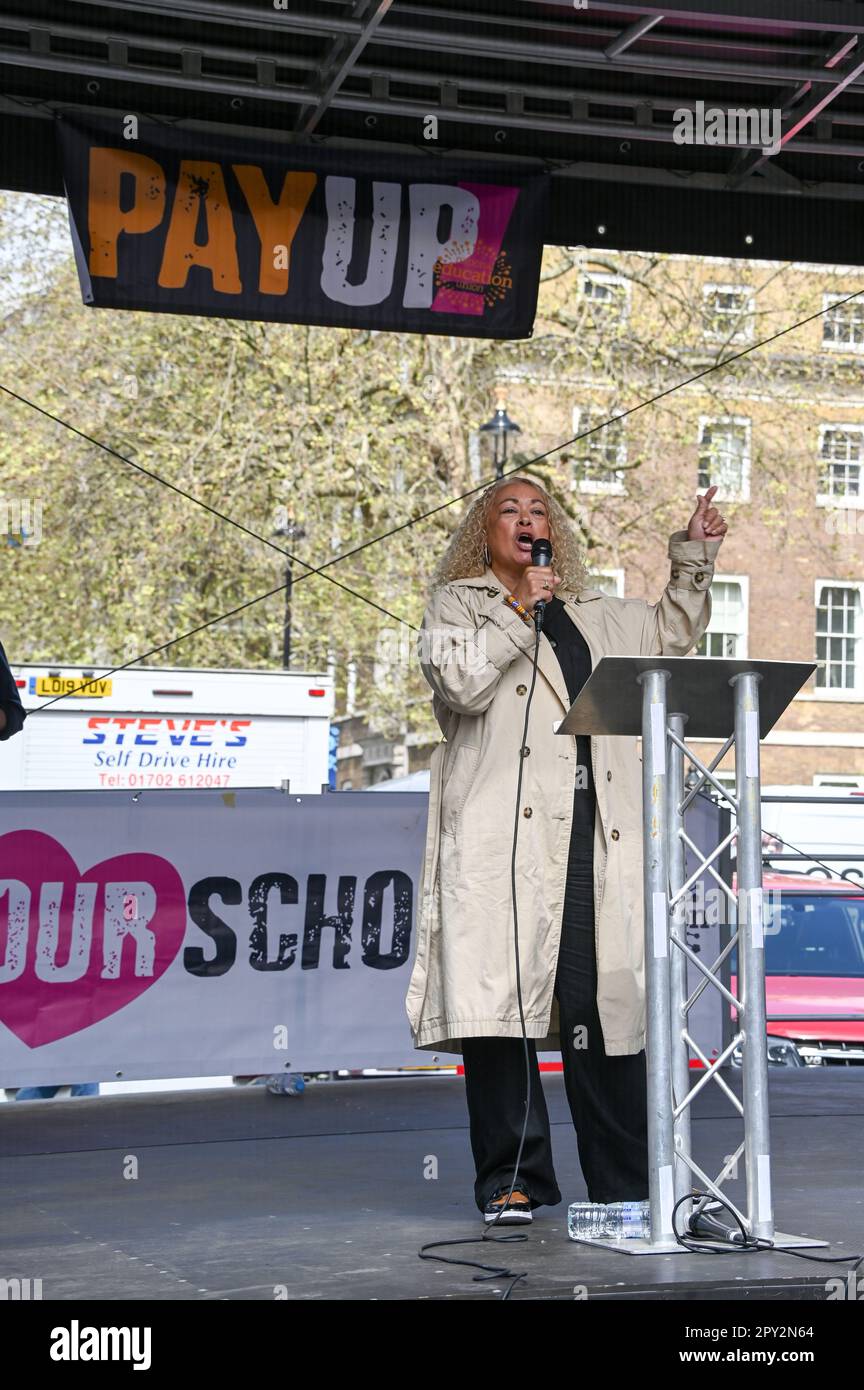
(625, 1220)
(608, 1220)
(289, 1084)
(586, 1220)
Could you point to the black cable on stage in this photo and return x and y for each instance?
(737, 1246)
(704, 1245)
(494, 1272)
(413, 521)
(695, 1243)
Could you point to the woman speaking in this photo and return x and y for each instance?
(578, 867)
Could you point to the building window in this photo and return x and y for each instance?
(609, 581)
(724, 457)
(606, 296)
(843, 324)
(839, 636)
(727, 630)
(840, 450)
(596, 460)
(728, 312)
(727, 780)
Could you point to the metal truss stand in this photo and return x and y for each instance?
(656, 697)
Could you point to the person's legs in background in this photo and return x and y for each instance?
(495, 1089)
(607, 1096)
(81, 1088)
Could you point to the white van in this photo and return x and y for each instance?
(168, 727)
(815, 830)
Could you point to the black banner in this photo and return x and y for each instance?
(180, 222)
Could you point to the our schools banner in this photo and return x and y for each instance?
(182, 222)
(205, 933)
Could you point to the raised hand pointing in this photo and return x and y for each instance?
(706, 523)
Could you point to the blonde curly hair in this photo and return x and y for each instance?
(464, 557)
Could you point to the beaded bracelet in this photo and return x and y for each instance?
(519, 608)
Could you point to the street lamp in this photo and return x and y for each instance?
(288, 531)
(499, 428)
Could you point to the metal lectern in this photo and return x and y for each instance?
(739, 701)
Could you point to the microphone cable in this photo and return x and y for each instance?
(492, 1271)
(713, 1238)
(705, 1234)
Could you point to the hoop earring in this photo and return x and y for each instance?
(486, 556)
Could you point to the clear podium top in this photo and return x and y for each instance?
(610, 701)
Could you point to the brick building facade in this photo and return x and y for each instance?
(781, 433)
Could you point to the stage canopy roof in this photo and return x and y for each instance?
(590, 93)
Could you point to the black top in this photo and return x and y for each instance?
(10, 700)
(574, 659)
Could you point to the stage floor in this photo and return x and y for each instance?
(239, 1193)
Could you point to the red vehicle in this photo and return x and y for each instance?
(814, 964)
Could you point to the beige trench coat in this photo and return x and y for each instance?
(476, 653)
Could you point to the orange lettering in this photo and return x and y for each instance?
(201, 181)
(275, 223)
(105, 217)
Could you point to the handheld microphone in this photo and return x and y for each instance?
(541, 554)
(704, 1225)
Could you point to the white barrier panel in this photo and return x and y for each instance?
(205, 933)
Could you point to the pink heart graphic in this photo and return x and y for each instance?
(111, 932)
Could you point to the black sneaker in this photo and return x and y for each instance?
(513, 1213)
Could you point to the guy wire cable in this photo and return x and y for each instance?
(833, 874)
(413, 521)
(373, 541)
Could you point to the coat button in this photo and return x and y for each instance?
(615, 835)
(527, 811)
(492, 592)
(676, 574)
(608, 776)
(521, 690)
(699, 577)
(525, 752)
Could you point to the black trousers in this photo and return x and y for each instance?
(607, 1096)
